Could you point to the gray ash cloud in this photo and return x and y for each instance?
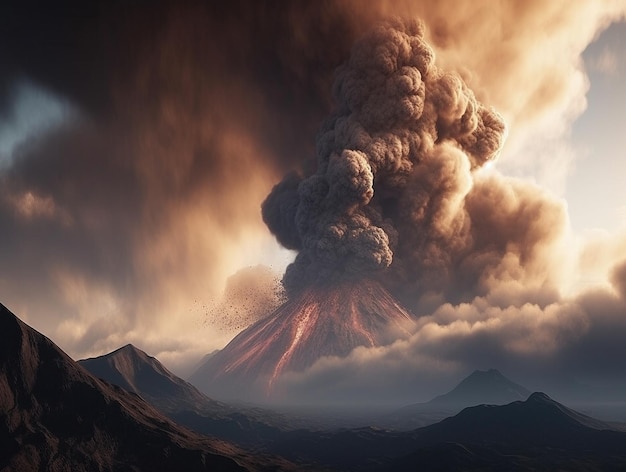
(394, 164)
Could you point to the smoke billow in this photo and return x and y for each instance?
(394, 164)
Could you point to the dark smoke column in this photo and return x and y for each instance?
(394, 164)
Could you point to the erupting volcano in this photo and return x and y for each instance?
(390, 200)
(319, 321)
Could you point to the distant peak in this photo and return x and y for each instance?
(128, 348)
(493, 372)
(127, 351)
(539, 397)
(484, 386)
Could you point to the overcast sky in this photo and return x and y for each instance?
(137, 144)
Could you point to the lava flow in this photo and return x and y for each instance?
(321, 321)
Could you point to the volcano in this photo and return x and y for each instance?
(482, 386)
(320, 321)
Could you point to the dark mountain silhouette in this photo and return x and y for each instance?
(536, 434)
(55, 416)
(483, 386)
(538, 414)
(480, 387)
(135, 371)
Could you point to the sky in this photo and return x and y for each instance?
(138, 143)
(596, 136)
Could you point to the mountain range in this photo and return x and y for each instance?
(136, 371)
(526, 430)
(537, 434)
(55, 415)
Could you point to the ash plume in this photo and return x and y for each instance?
(395, 162)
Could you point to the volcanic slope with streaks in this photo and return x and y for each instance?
(320, 321)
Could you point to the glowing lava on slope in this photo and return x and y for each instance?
(320, 321)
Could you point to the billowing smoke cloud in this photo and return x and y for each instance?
(502, 231)
(396, 189)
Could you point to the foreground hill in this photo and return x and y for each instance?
(55, 416)
(538, 434)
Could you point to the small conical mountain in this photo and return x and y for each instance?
(135, 371)
(320, 321)
(480, 387)
(55, 416)
(483, 386)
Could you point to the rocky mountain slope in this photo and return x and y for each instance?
(132, 369)
(55, 416)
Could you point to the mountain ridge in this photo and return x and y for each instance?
(535, 434)
(56, 416)
(136, 371)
